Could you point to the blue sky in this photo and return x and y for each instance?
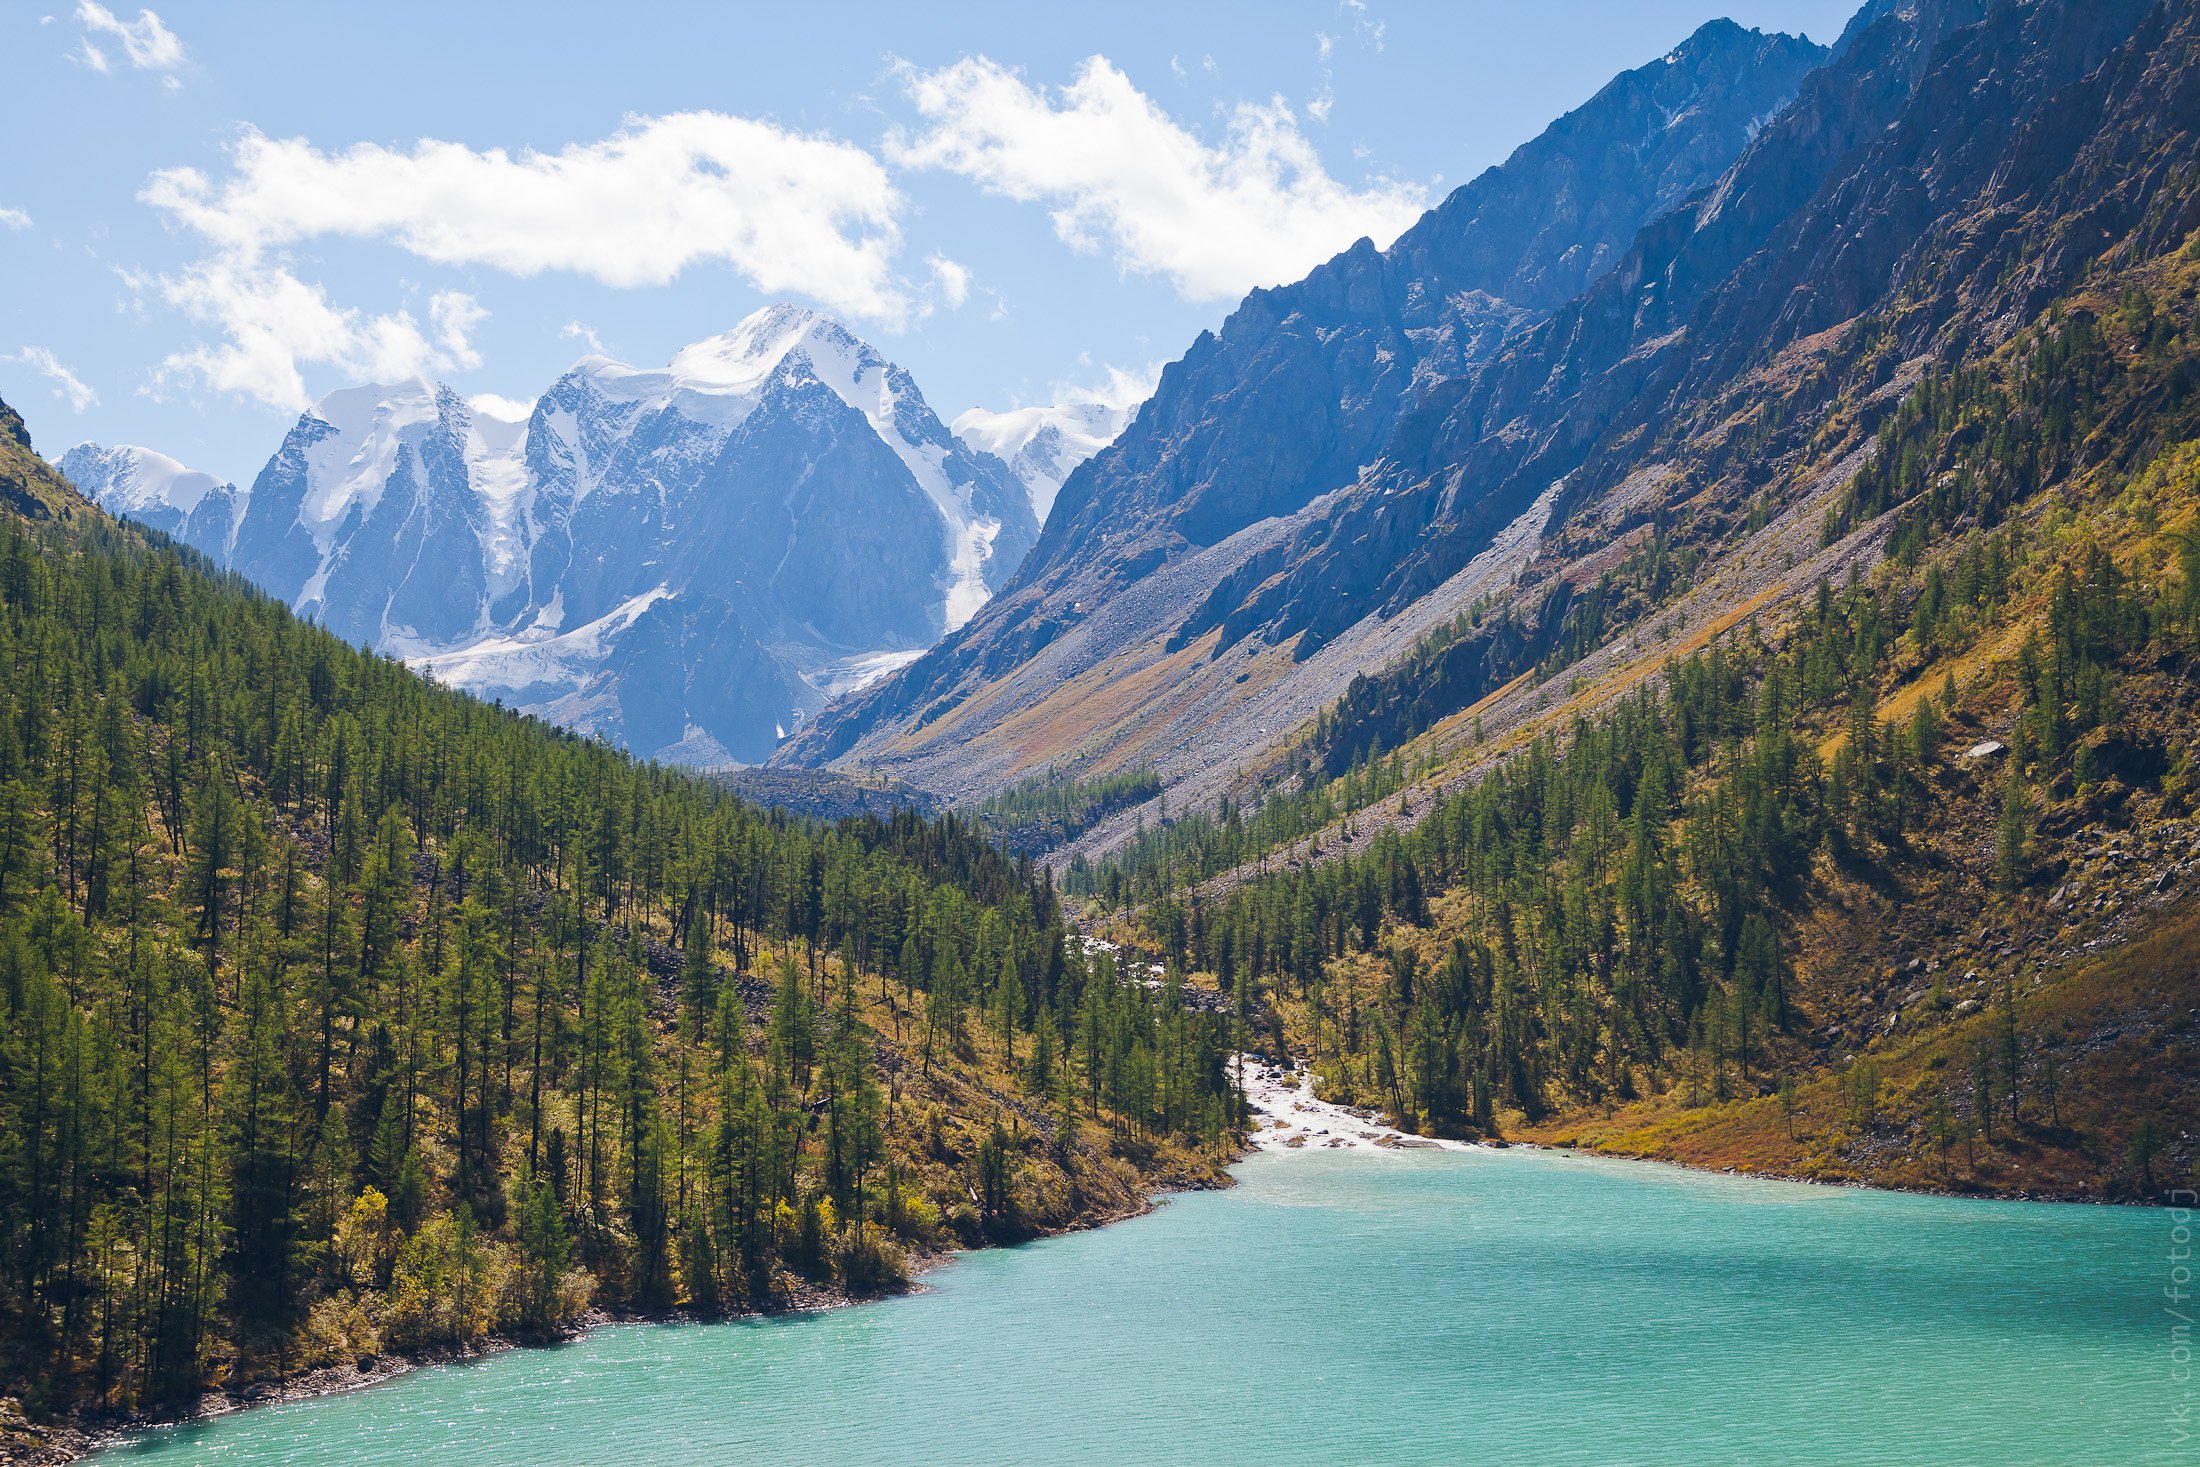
(212, 214)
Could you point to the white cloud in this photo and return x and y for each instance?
(1258, 208)
(148, 44)
(1117, 389)
(1365, 26)
(66, 383)
(496, 405)
(1318, 109)
(90, 55)
(789, 211)
(455, 314)
(14, 219)
(954, 279)
(577, 331)
(274, 324)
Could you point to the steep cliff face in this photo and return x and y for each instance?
(1304, 384)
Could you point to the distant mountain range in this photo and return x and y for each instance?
(1041, 445)
(688, 560)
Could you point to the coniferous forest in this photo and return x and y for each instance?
(1690, 651)
(343, 1015)
(1617, 909)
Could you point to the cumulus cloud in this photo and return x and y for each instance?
(66, 384)
(146, 43)
(14, 219)
(953, 279)
(580, 331)
(274, 324)
(789, 212)
(1256, 208)
(1117, 388)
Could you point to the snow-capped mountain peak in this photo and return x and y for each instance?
(1041, 445)
(683, 558)
(741, 360)
(154, 489)
(130, 479)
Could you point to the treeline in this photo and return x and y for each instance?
(1169, 853)
(1342, 767)
(1486, 646)
(1619, 897)
(341, 1014)
(1970, 442)
(1043, 812)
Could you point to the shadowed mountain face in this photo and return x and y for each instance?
(688, 561)
(1360, 458)
(1926, 174)
(1304, 384)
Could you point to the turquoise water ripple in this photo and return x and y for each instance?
(1439, 1308)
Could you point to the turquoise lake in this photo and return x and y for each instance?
(1353, 1308)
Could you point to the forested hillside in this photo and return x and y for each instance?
(1819, 794)
(1896, 887)
(343, 1015)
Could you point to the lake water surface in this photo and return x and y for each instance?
(1363, 1307)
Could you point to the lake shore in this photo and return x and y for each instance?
(1286, 1116)
(83, 1434)
(73, 1438)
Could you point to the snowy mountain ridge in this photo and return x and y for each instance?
(155, 489)
(1042, 444)
(688, 559)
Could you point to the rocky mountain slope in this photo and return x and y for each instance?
(1816, 792)
(1300, 390)
(686, 560)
